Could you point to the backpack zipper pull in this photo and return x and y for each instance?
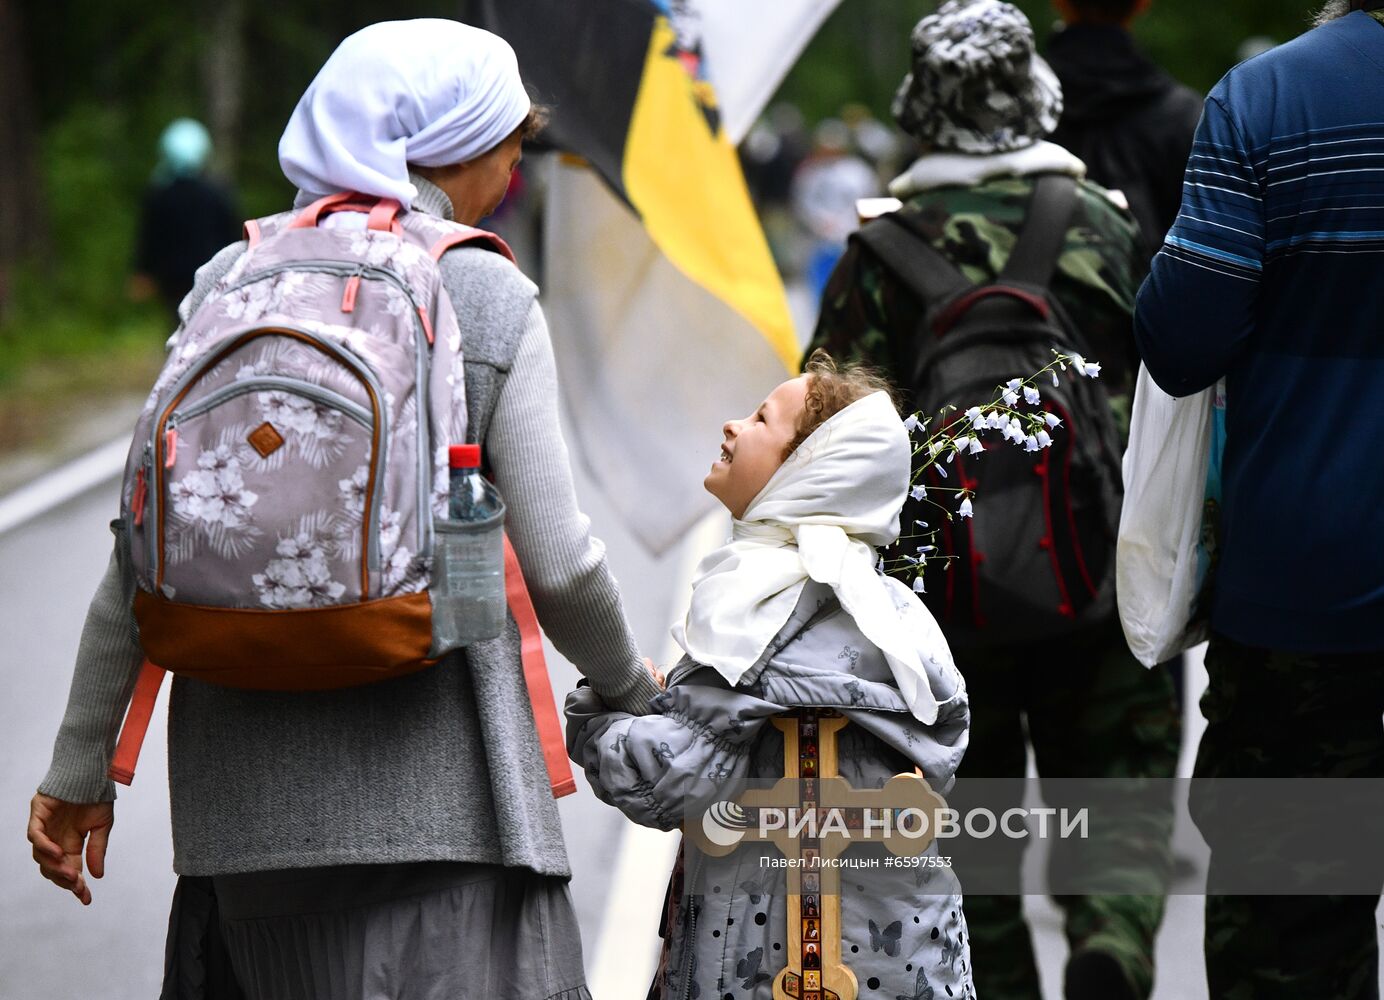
(348, 298)
(170, 445)
(140, 494)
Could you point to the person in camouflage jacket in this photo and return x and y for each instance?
(1085, 705)
(868, 317)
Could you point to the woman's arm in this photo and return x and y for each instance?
(108, 662)
(574, 593)
(109, 657)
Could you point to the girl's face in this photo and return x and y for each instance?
(754, 447)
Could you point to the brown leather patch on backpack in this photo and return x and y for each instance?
(265, 439)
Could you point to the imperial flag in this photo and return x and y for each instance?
(668, 313)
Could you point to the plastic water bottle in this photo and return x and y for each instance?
(468, 591)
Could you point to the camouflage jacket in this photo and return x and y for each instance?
(867, 317)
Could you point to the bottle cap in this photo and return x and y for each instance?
(464, 456)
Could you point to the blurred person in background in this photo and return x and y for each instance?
(1128, 120)
(881, 146)
(980, 102)
(1269, 279)
(825, 189)
(770, 156)
(185, 219)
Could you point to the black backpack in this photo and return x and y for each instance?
(1037, 561)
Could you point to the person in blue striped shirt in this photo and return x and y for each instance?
(1270, 279)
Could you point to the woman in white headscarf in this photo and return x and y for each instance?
(400, 838)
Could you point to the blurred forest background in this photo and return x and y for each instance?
(86, 88)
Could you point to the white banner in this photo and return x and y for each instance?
(750, 47)
(651, 364)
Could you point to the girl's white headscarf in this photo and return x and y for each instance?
(428, 91)
(820, 516)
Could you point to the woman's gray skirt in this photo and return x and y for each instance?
(419, 931)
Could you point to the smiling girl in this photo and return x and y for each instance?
(788, 615)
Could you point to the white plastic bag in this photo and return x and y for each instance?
(1161, 559)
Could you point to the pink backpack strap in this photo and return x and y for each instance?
(132, 734)
(545, 715)
(468, 234)
(252, 232)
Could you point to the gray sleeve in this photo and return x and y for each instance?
(108, 662)
(577, 599)
(207, 275)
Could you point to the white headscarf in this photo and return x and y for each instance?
(820, 516)
(427, 91)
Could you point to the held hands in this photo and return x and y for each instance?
(57, 829)
(659, 679)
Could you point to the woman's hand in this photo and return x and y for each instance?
(658, 674)
(58, 829)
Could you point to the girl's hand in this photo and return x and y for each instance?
(58, 829)
(658, 674)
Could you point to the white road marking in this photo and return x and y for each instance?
(62, 484)
(626, 955)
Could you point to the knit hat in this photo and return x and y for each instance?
(183, 149)
(977, 83)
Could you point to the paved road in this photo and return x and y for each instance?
(51, 947)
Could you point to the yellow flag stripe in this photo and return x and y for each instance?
(687, 185)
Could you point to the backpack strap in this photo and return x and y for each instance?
(469, 234)
(540, 688)
(1031, 263)
(1034, 257)
(136, 725)
(545, 717)
(901, 246)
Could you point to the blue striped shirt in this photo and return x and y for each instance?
(1270, 278)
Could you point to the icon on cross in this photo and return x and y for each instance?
(828, 816)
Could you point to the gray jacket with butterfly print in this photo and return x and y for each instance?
(903, 930)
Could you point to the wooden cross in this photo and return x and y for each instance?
(811, 782)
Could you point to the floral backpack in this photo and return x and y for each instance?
(281, 490)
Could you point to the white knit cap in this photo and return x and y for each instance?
(429, 91)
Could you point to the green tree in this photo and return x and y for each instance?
(862, 51)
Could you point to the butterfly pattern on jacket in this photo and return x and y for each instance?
(886, 939)
(922, 989)
(951, 951)
(760, 886)
(749, 972)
